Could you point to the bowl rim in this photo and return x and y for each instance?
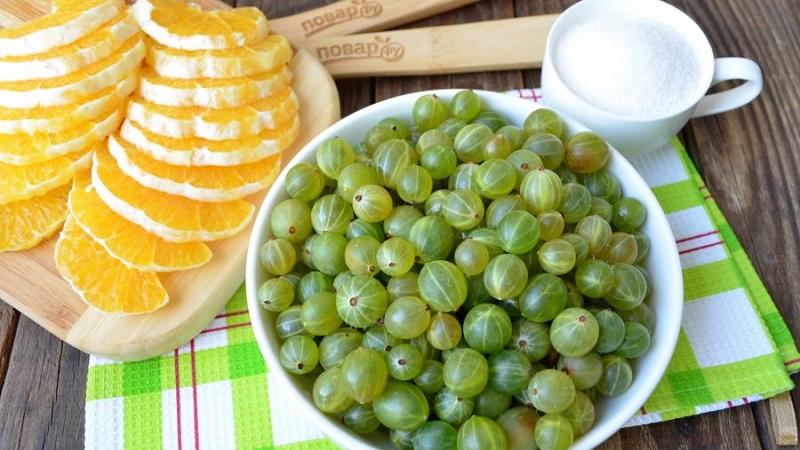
(657, 358)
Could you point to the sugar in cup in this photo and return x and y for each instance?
(636, 71)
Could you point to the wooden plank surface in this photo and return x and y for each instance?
(750, 159)
(30, 282)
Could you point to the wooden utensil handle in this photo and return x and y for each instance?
(355, 16)
(482, 46)
(14, 13)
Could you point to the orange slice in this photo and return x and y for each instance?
(185, 26)
(25, 223)
(54, 119)
(69, 24)
(23, 182)
(204, 183)
(269, 53)
(174, 218)
(71, 57)
(72, 87)
(215, 124)
(24, 149)
(57, 5)
(212, 92)
(101, 280)
(130, 243)
(205, 152)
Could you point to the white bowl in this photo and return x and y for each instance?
(663, 264)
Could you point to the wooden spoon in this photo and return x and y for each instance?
(503, 44)
(338, 18)
(348, 17)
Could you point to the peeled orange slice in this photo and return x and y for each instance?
(101, 280)
(130, 243)
(23, 182)
(57, 5)
(72, 87)
(204, 152)
(23, 149)
(25, 223)
(173, 217)
(71, 57)
(215, 124)
(204, 183)
(55, 119)
(69, 24)
(212, 92)
(185, 26)
(269, 53)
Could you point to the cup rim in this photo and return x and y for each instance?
(702, 47)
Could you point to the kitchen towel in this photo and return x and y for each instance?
(216, 392)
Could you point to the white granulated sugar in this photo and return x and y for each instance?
(631, 66)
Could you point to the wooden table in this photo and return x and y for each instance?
(750, 159)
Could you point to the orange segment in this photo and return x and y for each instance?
(130, 243)
(71, 57)
(76, 85)
(204, 183)
(215, 124)
(101, 280)
(204, 152)
(57, 5)
(185, 26)
(55, 119)
(25, 223)
(267, 54)
(174, 218)
(25, 149)
(212, 92)
(69, 24)
(22, 182)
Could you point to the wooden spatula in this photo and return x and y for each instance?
(336, 19)
(348, 17)
(504, 44)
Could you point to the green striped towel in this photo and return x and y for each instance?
(216, 392)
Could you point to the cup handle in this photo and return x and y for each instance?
(731, 69)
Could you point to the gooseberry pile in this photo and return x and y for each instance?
(458, 280)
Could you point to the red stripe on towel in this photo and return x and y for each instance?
(793, 361)
(194, 396)
(226, 327)
(697, 236)
(231, 314)
(178, 397)
(689, 250)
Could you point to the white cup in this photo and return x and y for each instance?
(637, 132)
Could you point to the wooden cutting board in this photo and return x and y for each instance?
(30, 282)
